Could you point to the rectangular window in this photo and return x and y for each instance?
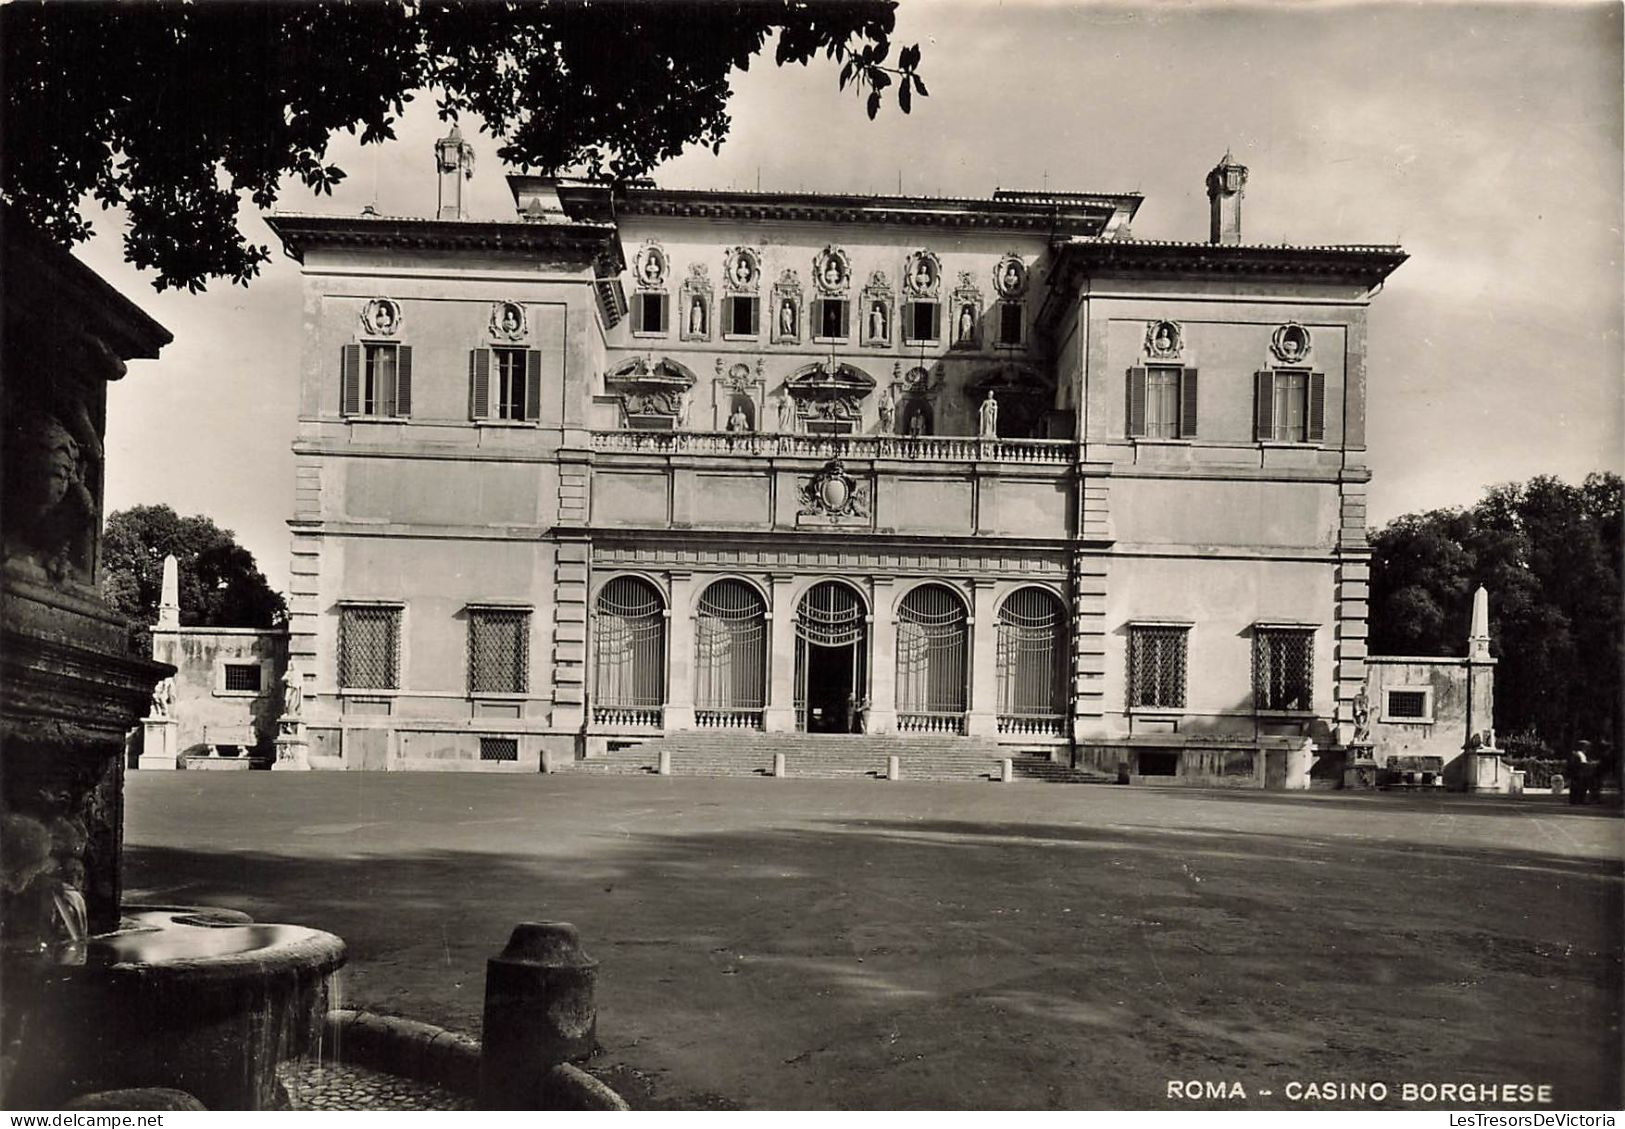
(376, 380)
(1010, 323)
(922, 323)
(829, 317)
(369, 647)
(1283, 668)
(498, 650)
(1162, 402)
(243, 677)
(1407, 705)
(499, 748)
(650, 314)
(1156, 677)
(1290, 406)
(739, 316)
(510, 384)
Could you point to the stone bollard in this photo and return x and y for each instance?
(539, 1012)
(1007, 771)
(1559, 785)
(778, 765)
(894, 768)
(665, 762)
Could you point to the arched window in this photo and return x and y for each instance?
(832, 649)
(1032, 659)
(730, 657)
(933, 636)
(628, 653)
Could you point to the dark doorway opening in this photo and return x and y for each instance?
(832, 700)
(1159, 764)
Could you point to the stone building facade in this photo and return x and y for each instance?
(642, 460)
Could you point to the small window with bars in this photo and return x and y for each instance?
(1156, 666)
(499, 748)
(1413, 705)
(242, 678)
(1283, 668)
(370, 647)
(498, 650)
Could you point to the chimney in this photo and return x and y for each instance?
(454, 157)
(1224, 193)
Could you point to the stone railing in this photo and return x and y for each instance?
(931, 723)
(1032, 725)
(727, 719)
(627, 717)
(933, 448)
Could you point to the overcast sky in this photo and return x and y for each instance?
(1484, 139)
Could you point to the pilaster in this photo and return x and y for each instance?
(781, 672)
(882, 715)
(680, 652)
(570, 565)
(1089, 575)
(984, 678)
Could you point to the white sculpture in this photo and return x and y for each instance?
(988, 418)
(163, 698)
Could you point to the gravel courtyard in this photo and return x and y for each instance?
(829, 944)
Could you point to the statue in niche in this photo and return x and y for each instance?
(738, 421)
(888, 411)
(1012, 278)
(293, 691)
(742, 270)
(787, 414)
(1165, 343)
(510, 319)
(163, 699)
(696, 316)
(967, 322)
(787, 318)
(832, 272)
(922, 275)
(50, 503)
(1362, 718)
(654, 267)
(383, 317)
(988, 417)
(877, 321)
(916, 424)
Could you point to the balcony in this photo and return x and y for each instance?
(925, 449)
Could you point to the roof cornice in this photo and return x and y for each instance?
(585, 241)
(1367, 264)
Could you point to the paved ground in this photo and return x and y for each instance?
(826, 944)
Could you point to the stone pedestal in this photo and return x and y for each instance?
(1487, 772)
(160, 743)
(292, 747)
(1359, 769)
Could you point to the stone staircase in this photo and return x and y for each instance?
(830, 756)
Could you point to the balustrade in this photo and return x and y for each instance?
(728, 719)
(935, 448)
(1032, 726)
(953, 723)
(623, 717)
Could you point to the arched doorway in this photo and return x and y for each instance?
(730, 657)
(628, 653)
(933, 646)
(832, 645)
(1032, 664)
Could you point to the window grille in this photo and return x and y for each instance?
(243, 677)
(629, 650)
(499, 748)
(370, 648)
(1409, 705)
(1032, 655)
(1156, 666)
(932, 643)
(1283, 668)
(498, 650)
(730, 637)
(830, 615)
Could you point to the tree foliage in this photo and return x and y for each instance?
(1549, 555)
(220, 585)
(176, 110)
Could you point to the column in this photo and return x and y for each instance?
(984, 666)
(781, 660)
(680, 653)
(882, 716)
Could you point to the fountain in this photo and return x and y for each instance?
(99, 996)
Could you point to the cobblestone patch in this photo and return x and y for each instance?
(338, 1085)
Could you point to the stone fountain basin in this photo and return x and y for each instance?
(201, 1000)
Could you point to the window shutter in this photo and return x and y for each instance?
(1187, 404)
(846, 318)
(1136, 401)
(533, 384)
(1317, 408)
(935, 311)
(350, 379)
(1264, 405)
(403, 381)
(479, 380)
(727, 315)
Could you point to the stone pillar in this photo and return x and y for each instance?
(1007, 771)
(664, 763)
(292, 746)
(778, 765)
(539, 1012)
(169, 600)
(894, 768)
(680, 653)
(160, 743)
(984, 668)
(882, 716)
(780, 716)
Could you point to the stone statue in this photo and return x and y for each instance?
(1362, 718)
(916, 423)
(787, 414)
(888, 411)
(293, 691)
(967, 323)
(739, 421)
(683, 400)
(50, 502)
(832, 272)
(696, 316)
(163, 698)
(877, 322)
(787, 318)
(988, 417)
